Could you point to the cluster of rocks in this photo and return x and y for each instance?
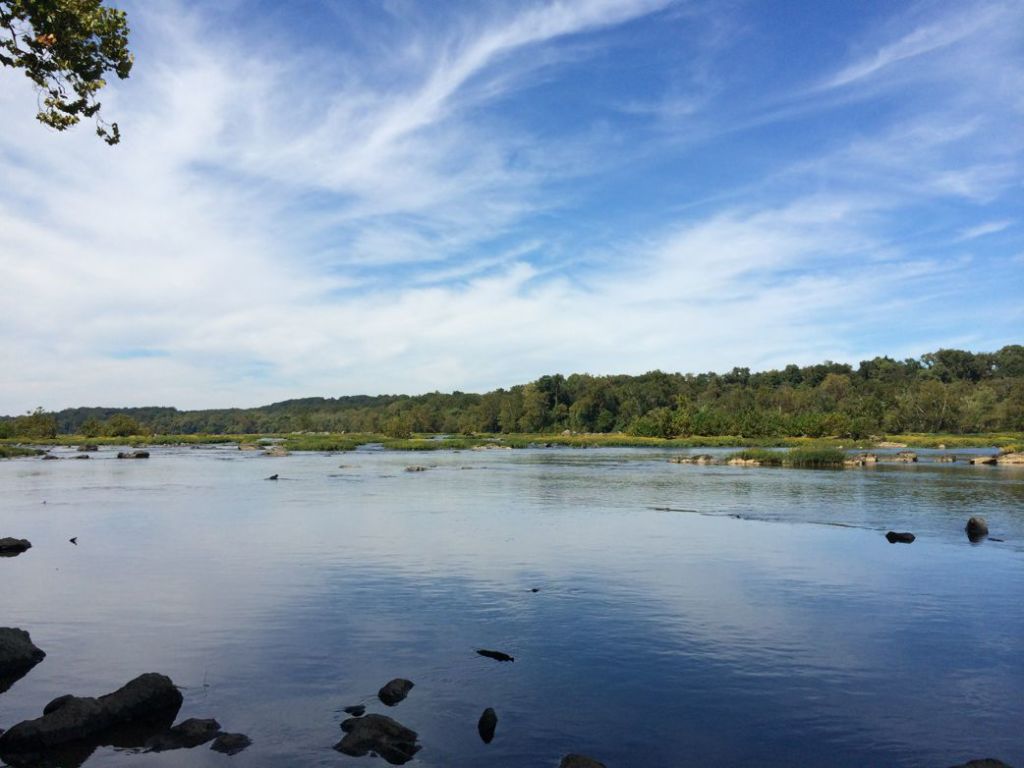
(133, 454)
(138, 715)
(383, 736)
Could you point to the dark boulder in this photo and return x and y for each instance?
(579, 761)
(149, 698)
(17, 650)
(50, 457)
(10, 546)
(82, 456)
(496, 655)
(230, 743)
(378, 733)
(88, 448)
(977, 528)
(185, 735)
(486, 725)
(358, 710)
(395, 691)
(901, 537)
(133, 454)
(57, 703)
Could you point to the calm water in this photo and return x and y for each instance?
(765, 622)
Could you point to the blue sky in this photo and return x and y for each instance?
(327, 198)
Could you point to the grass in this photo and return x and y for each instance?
(815, 458)
(809, 448)
(762, 456)
(15, 451)
(803, 457)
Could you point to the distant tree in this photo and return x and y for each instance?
(66, 47)
(91, 428)
(36, 424)
(122, 425)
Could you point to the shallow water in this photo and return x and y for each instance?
(765, 621)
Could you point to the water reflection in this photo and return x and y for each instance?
(656, 637)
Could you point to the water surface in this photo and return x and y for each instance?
(763, 620)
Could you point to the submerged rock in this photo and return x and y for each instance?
(976, 528)
(272, 477)
(358, 710)
(185, 735)
(395, 691)
(496, 655)
(133, 454)
(902, 538)
(11, 546)
(230, 743)
(946, 458)
(907, 457)
(88, 448)
(82, 456)
(50, 457)
(378, 733)
(486, 725)
(579, 761)
(416, 468)
(987, 762)
(703, 458)
(148, 699)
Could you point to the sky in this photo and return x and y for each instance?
(332, 197)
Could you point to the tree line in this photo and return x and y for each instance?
(948, 391)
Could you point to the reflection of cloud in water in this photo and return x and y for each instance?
(651, 631)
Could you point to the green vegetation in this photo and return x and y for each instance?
(807, 457)
(65, 47)
(950, 397)
(14, 451)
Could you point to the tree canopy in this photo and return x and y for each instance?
(66, 47)
(946, 391)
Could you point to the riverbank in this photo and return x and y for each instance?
(307, 441)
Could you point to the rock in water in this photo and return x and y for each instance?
(977, 528)
(357, 710)
(579, 761)
(395, 691)
(486, 725)
(11, 546)
(18, 654)
(378, 733)
(272, 477)
(185, 735)
(988, 762)
(133, 455)
(496, 655)
(230, 743)
(902, 538)
(149, 698)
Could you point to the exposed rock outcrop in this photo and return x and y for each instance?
(18, 654)
(12, 546)
(579, 761)
(984, 460)
(395, 691)
(148, 699)
(378, 733)
(900, 537)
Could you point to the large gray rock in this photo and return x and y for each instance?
(11, 546)
(185, 735)
(146, 699)
(378, 733)
(18, 654)
(579, 761)
(395, 691)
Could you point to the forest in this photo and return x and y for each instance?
(948, 391)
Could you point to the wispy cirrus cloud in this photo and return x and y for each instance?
(461, 200)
